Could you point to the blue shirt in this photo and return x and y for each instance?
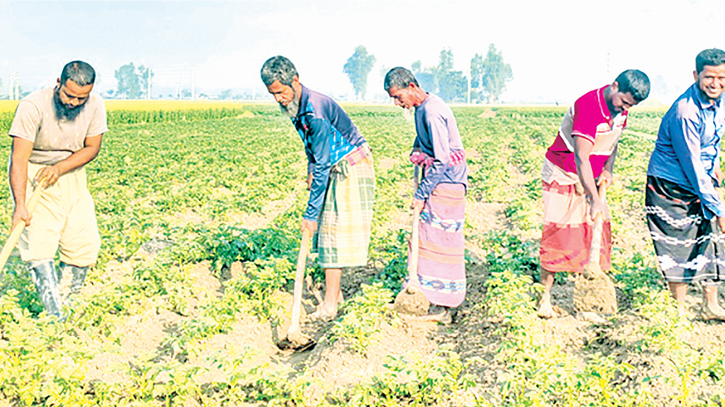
(687, 150)
(437, 136)
(328, 135)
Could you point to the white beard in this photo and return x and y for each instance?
(292, 108)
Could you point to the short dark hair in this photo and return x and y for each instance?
(79, 72)
(634, 82)
(400, 78)
(279, 69)
(711, 57)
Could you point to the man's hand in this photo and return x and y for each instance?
(719, 175)
(597, 206)
(605, 179)
(309, 181)
(21, 214)
(309, 225)
(47, 176)
(721, 223)
(417, 205)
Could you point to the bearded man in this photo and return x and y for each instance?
(340, 176)
(55, 133)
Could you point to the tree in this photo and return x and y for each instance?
(426, 77)
(145, 76)
(445, 63)
(492, 74)
(129, 84)
(476, 77)
(452, 85)
(225, 94)
(358, 68)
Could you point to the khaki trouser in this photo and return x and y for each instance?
(64, 219)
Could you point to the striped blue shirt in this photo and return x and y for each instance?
(328, 135)
(687, 150)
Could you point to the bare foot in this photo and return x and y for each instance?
(439, 314)
(323, 313)
(712, 312)
(545, 309)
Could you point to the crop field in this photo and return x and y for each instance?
(198, 206)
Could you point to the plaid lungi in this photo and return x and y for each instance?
(566, 238)
(441, 260)
(689, 247)
(343, 234)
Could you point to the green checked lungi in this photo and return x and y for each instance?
(343, 234)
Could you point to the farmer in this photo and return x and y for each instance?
(55, 132)
(685, 213)
(340, 177)
(581, 159)
(441, 196)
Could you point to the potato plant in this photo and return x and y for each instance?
(183, 186)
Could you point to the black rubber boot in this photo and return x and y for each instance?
(79, 276)
(46, 283)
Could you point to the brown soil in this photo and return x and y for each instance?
(332, 365)
(411, 301)
(595, 295)
(336, 365)
(487, 114)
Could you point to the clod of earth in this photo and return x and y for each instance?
(411, 301)
(595, 294)
(296, 341)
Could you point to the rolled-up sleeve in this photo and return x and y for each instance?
(442, 155)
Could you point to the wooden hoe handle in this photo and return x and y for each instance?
(413, 261)
(299, 279)
(596, 249)
(18, 229)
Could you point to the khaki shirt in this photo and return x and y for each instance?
(55, 140)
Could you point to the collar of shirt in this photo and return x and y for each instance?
(304, 97)
(701, 101)
(603, 107)
(427, 98)
(298, 121)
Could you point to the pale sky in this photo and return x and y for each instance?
(558, 50)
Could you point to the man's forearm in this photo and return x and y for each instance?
(586, 177)
(609, 165)
(582, 150)
(18, 181)
(78, 159)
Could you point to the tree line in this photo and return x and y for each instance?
(133, 82)
(487, 82)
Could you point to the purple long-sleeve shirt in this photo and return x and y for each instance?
(437, 136)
